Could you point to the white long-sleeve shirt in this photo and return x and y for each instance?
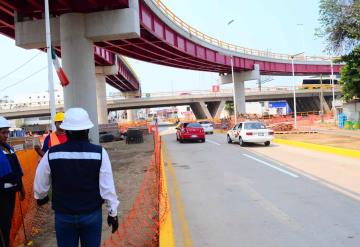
(106, 182)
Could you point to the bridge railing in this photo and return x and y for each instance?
(209, 39)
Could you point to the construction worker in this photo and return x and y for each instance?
(81, 178)
(10, 183)
(53, 138)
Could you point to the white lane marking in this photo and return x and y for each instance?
(213, 142)
(272, 166)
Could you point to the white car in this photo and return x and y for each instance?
(254, 132)
(207, 126)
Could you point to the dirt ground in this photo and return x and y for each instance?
(129, 163)
(328, 139)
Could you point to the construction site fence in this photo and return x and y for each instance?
(139, 227)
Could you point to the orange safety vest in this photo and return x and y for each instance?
(54, 140)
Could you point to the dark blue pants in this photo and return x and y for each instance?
(7, 204)
(72, 228)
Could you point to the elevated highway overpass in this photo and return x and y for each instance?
(204, 104)
(142, 29)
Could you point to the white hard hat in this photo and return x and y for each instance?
(4, 123)
(76, 119)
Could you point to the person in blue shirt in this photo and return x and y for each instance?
(10, 183)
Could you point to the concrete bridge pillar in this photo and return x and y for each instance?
(101, 73)
(75, 33)
(239, 85)
(79, 65)
(131, 113)
(215, 108)
(200, 110)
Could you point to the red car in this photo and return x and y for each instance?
(190, 131)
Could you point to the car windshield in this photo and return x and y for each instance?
(250, 126)
(192, 125)
(204, 122)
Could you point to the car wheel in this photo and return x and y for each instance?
(267, 143)
(241, 142)
(212, 132)
(203, 140)
(228, 139)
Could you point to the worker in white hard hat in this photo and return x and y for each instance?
(54, 138)
(10, 183)
(81, 178)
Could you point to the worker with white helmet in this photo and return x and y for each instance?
(10, 183)
(81, 178)
(54, 138)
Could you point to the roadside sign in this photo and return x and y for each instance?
(215, 88)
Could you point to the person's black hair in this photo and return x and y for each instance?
(79, 135)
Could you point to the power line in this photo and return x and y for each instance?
(18, 82)
(4, 76)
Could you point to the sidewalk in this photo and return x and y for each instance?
(338, 172)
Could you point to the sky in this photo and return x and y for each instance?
(259, 24)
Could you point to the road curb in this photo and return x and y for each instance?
(321, 148)
(166, 229)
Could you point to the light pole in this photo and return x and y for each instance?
(234, 91)
(332, 81)
(294, 89)
(232, 77)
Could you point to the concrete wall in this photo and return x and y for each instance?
(352, 111)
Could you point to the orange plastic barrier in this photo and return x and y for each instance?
(140, 227)
(28, 217)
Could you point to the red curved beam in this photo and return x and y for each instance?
(124, 80)
(162, 44)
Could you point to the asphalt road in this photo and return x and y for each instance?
(232, 197)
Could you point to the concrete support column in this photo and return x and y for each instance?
(101, 99)
(215, 108)
(79, 65)
(239, 87)
(200, 110)
(131, 115)
(239, 97)
(101, 73)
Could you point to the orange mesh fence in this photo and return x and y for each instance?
(140, 226)
(123, 127)
(28, 218)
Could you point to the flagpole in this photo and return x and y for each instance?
(50, 68)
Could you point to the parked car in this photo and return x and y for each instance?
(208, 126)
(106, 137)
(190, 131)
(250, 132)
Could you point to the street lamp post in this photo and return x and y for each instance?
(234, 91)
(332, 82)
(232, 77)
(294, 89)
(333, 90)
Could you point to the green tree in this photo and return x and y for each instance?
(229, 107)
(340, 26)
(350, 74)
